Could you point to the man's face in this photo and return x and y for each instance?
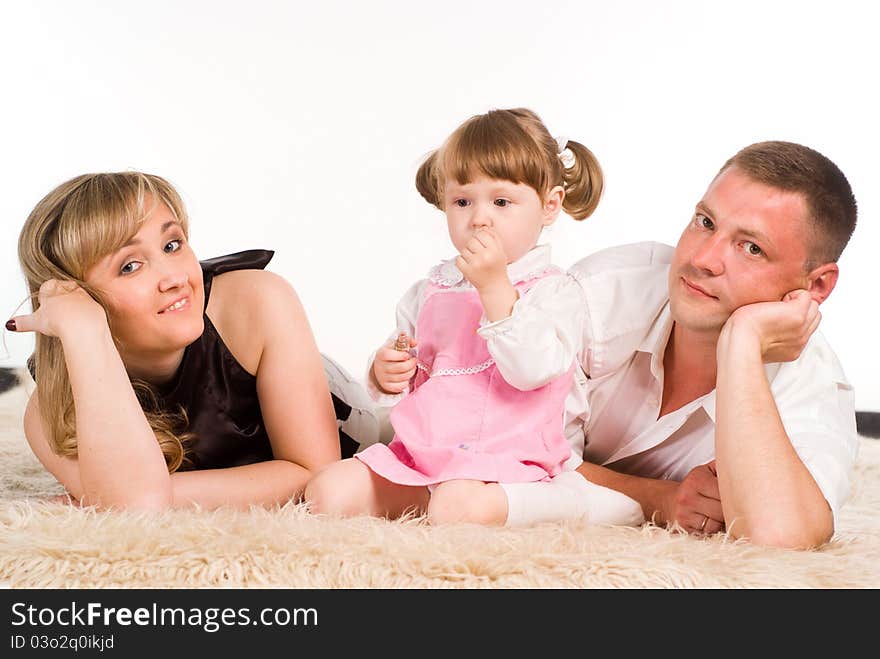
(747, 242)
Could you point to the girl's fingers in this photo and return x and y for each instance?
(396, 368)
(400, 378)
(395, 386)
(390, 355)
(486, 237)
(480, 241)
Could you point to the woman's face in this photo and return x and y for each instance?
(152, 289)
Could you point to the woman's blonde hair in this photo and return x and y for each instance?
(69, 231)
(513, 145)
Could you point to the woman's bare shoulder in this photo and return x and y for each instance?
(249, 287)
(248, 307)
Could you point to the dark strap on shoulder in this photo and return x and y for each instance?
(252, 259)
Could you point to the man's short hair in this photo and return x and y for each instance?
(828, 195)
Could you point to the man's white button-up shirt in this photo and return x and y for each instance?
(627, 326)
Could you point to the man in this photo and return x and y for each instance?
(712, 400)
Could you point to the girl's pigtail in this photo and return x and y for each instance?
(582, 179)
(427, 181)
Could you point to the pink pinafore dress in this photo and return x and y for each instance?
(462, 420)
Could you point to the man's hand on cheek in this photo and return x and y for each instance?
(780, 330)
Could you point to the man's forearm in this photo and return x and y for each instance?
(767, 493)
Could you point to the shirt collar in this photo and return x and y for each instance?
(533, 263)
(709, 405)
(654, 344)
(655, 341)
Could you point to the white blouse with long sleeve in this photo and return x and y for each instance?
(539, 341)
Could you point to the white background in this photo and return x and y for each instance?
(300, 126)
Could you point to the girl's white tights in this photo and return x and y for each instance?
(569, 496)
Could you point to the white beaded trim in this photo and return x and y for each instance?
(447, 274)
(470, 370)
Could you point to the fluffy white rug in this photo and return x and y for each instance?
(49, 545)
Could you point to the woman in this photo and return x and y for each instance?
(161, 381)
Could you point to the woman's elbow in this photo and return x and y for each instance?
(145, 495)
(151, 503)
(146, 502)
(306, 468)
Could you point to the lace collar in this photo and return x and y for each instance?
(534, 263)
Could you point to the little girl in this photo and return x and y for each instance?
(480, 382)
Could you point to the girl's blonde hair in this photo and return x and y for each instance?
(69, 231)
(513, 145)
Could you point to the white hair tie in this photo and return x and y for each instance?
(562, 144)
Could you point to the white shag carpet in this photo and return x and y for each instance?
(52, 545)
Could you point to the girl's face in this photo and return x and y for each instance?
(152, 289)
(513, 210)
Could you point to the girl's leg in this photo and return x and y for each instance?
(468, 501)
(569, 496)
(349, 488)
